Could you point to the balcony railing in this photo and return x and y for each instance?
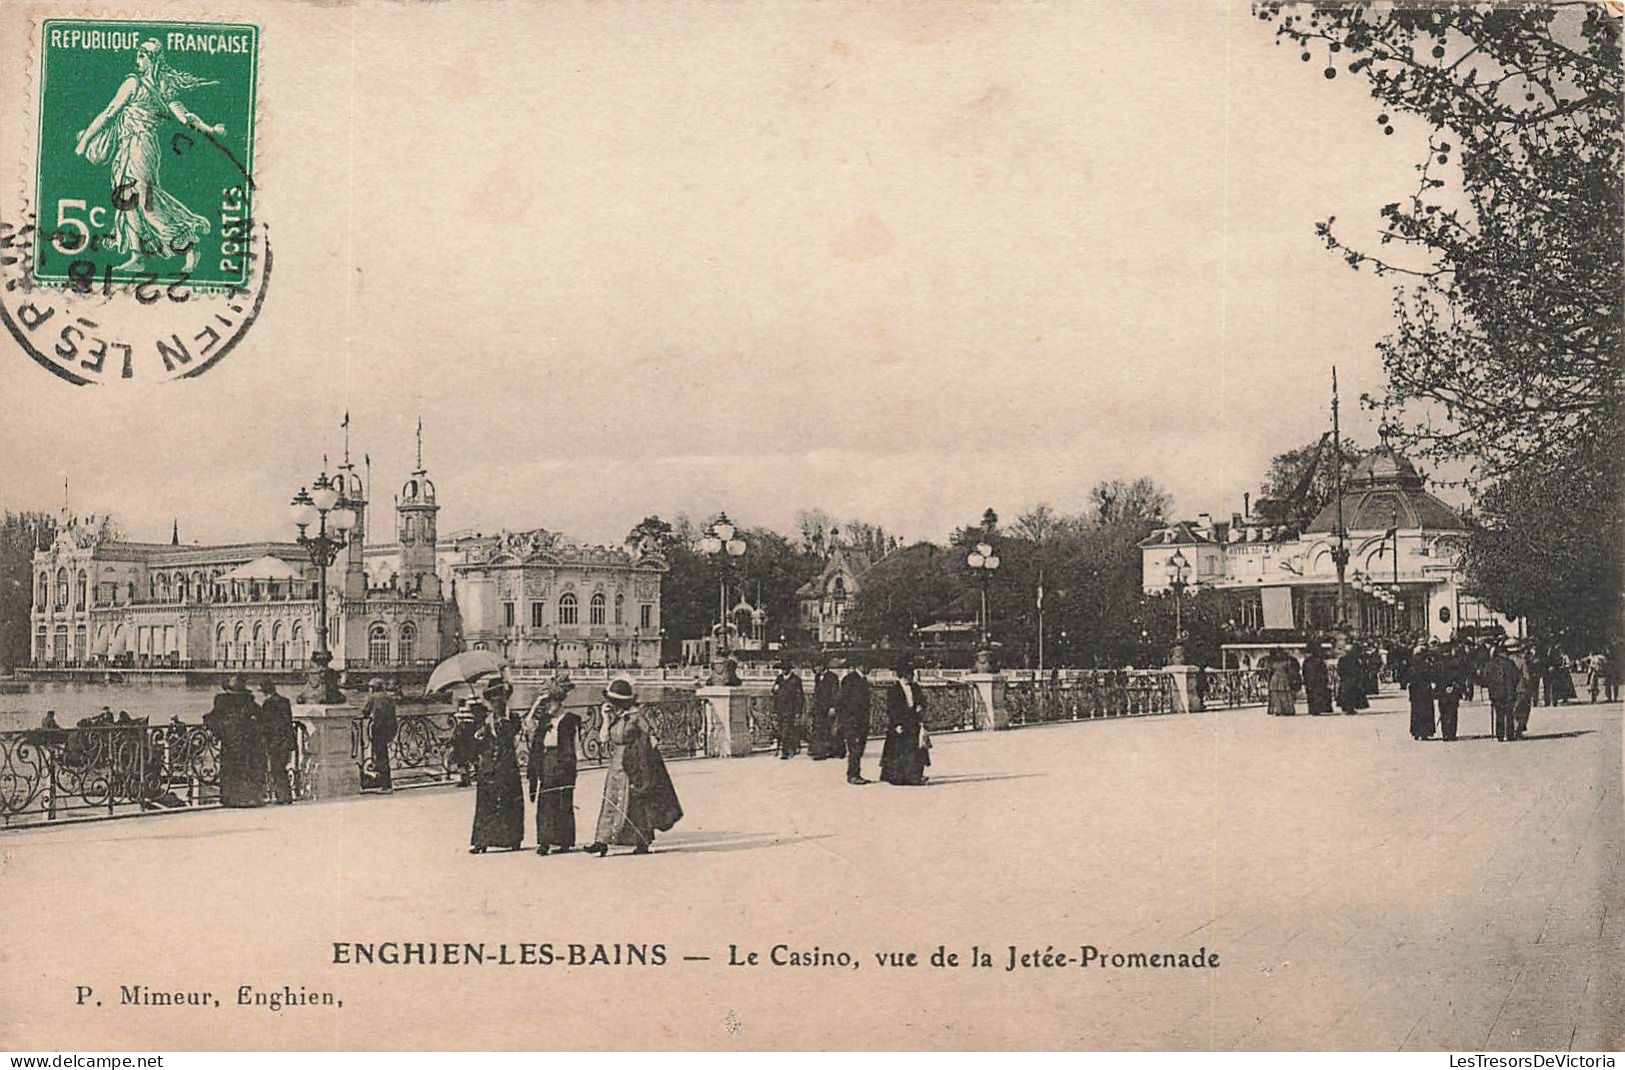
(113, 770)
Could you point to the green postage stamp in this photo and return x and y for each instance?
(145, 154)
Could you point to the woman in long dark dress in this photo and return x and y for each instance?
(639, 799)
(1317, 685)
(235, 720)
(552, 768)
(1350, 682)
(1420, 686)
(499, 798)
(902, 759)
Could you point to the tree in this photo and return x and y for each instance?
(1139, 501)
(1301, 482)
(910, 588)
(652, 527)
(20, 534)
(1545, 548)
(1508, 324)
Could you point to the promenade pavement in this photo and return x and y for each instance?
(1361, 890)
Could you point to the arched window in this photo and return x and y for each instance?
(62, 588)
(44, 599)
(222, 650)
(620, 609)
(239, 636)
(595, 609)
(42, 640)
(181, 587)
(81, 590)
(378, 645)
(279, 644)
(59, 643)
(259, 643)
(409, 643)
(297, 642)
(567, 608)
(152, 588)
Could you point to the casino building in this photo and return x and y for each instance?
(536, 597)
(1403, 578)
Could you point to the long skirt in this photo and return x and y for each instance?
(1282, 703)
(556, 816)
(1320, 698)
(499, 801)
(902, 759)
(824, 741)
(242, 774)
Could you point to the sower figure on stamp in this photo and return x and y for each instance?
(639, 798)
(789, 699)
(852, 713)
(499, 798)
(379, 713)
(825, 738)
(235, 720)
(280, 737)
(148, 221)
(907, 752)
(552, 767)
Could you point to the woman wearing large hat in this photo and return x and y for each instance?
(552, 767)
(638, 795)
(499, 798)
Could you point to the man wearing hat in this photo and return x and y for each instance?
(824, 739)
(852, 711)
(280, 737)
(789, 699)
(1528, 686)
(379, 713)
(1503, 680)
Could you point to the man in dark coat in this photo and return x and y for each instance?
(1503, 680)
(789, 699)
(234, 719)
(381, 728)
(1449, 684)
(1419, 685)
(281, 739)
(852, 712)
(1528, 688)
(826, 741)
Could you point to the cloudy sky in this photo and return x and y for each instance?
(897, 261)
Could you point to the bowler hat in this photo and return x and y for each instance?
(621, 691)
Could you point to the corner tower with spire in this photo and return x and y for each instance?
(416, 528)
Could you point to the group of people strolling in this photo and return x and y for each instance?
(837, 720)
(257, 742)
(639, 799)
(1436, 677)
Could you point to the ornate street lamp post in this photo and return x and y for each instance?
(1179, 573)
(984, 562)
(318, 506)
(721, 542)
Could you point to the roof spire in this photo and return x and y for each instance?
(419, 468)
(175, 533)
